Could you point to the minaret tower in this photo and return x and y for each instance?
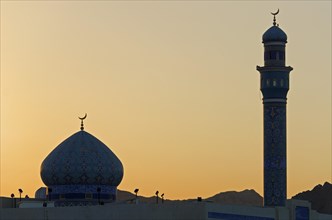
(274, 86)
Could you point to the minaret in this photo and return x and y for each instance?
(274, 87)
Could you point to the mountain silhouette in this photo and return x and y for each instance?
(320, 197)
(245, 197)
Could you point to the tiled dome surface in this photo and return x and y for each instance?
(81, 159)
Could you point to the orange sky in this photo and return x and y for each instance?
(170, 87)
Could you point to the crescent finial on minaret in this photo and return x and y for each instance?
(274, 17)
(82, 125)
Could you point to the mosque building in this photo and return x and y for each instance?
(82, 174)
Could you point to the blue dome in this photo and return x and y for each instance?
(274, 33)
(81, 159)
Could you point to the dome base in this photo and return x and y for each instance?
(78, 195)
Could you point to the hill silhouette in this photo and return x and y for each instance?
(320, 197)
(245, 197)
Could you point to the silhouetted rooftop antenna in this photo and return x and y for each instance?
(274, 17)
(13, 200)
(20, 192)
(162, 198)
(157, 193)
(136, 191)
(82, 125)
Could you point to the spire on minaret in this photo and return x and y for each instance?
(82, 125)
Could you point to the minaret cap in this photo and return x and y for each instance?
(274, 33)
(82, 125)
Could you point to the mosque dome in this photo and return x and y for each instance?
(40, 193)
(81, 159)
(274, 33)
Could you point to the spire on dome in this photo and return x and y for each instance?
(82, 125)
(274, 17)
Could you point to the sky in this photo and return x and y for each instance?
(171, 87)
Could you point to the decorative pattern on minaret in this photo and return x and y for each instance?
(274, 153)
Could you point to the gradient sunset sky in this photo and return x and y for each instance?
(170, 86)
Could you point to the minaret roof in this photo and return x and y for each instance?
(274, 33)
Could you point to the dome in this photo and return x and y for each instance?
(81, 159)
(274, 33)
(40, 193)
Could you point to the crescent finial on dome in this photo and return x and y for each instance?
(82, 124)
(274, 17)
